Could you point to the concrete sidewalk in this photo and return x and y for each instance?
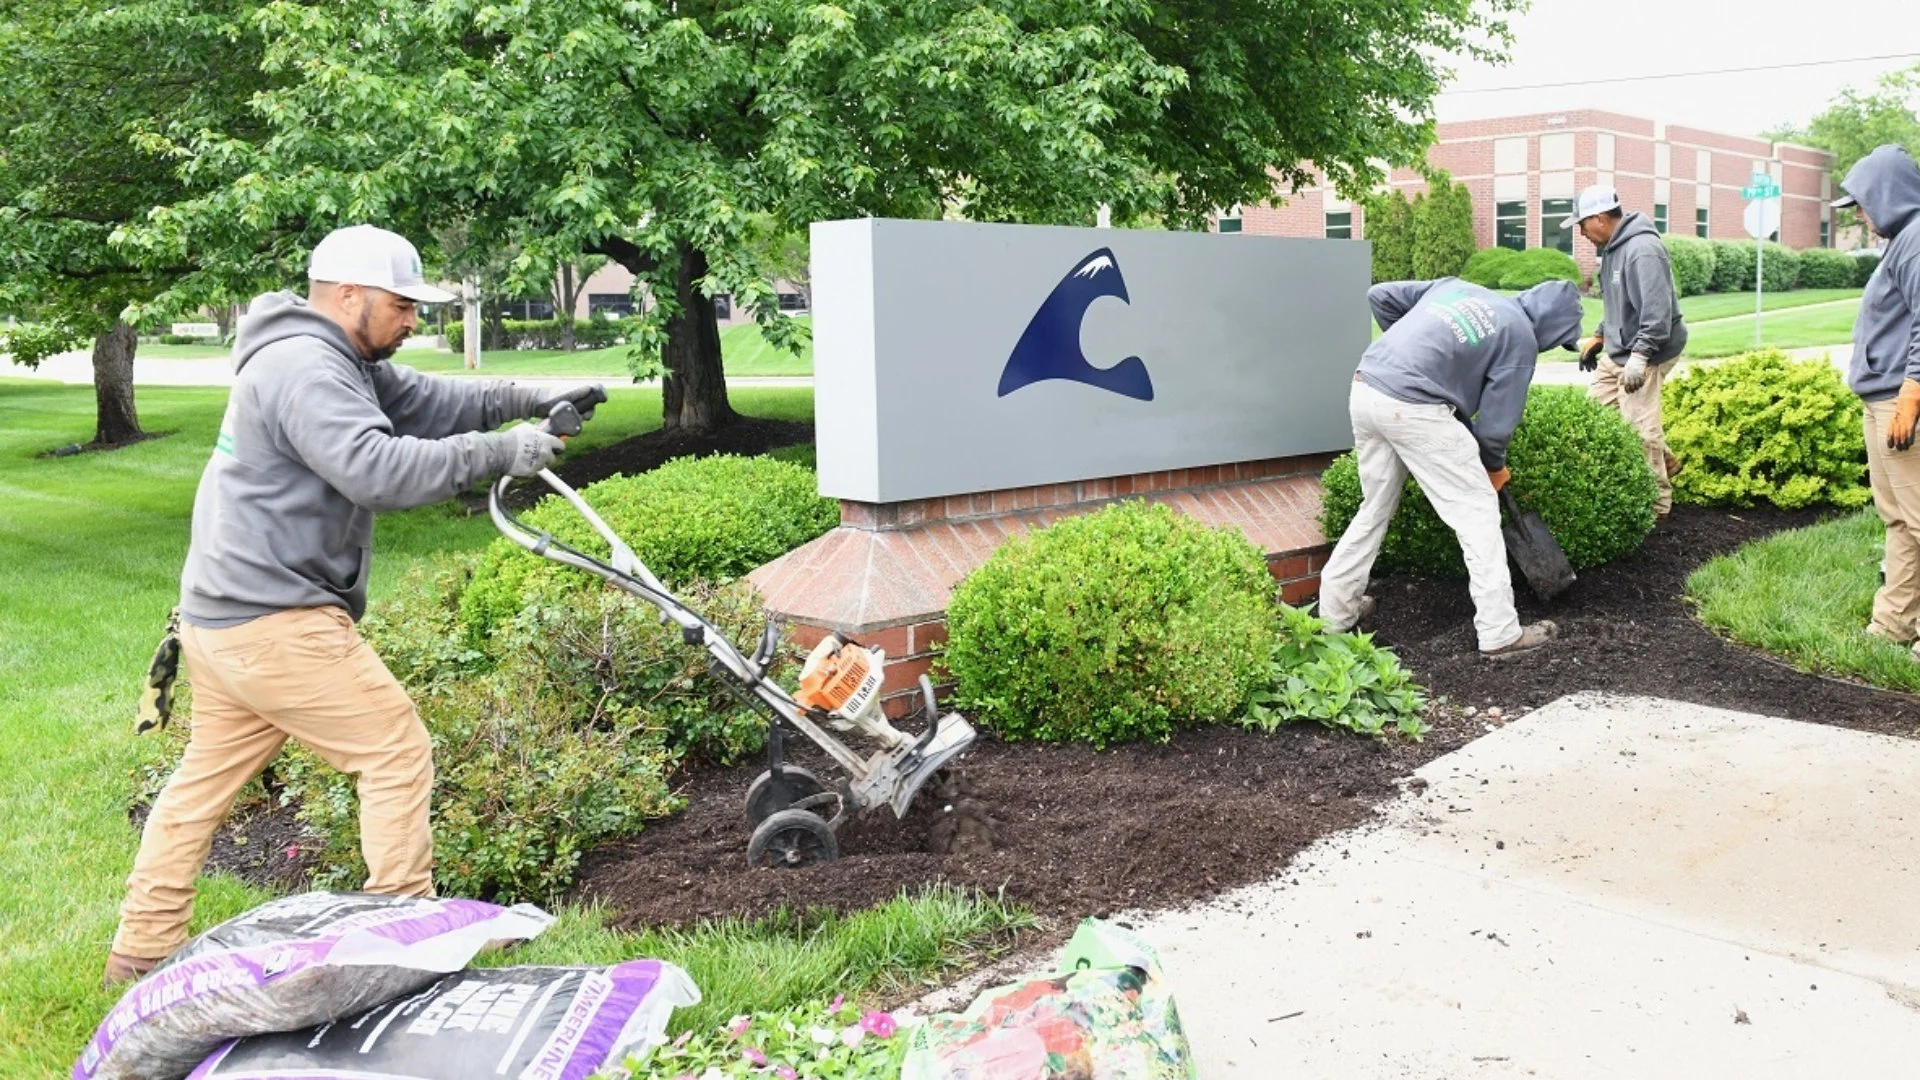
(1606, 888)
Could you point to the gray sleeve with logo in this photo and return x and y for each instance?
(342, 435)
(434, 407)
(1649, 281)
(1391, 300)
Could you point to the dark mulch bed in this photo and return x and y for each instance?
(746, 436)
(261, 842)
(1086, 832)
(1625, 628)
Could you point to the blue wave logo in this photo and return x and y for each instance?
(1050, 347)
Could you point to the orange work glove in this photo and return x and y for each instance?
(1499, 477)
(1905, 410)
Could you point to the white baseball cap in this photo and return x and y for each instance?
(376, 258)
(1597, 199)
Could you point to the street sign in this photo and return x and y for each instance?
(1762, 218)
(1763, 187)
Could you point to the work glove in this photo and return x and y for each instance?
(584, 398)
(532, 449)
(1635, 375)
(155, 707)
(1905, 409)
(1590, 352)
(1499, 477)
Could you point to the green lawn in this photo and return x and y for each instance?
(1699, 309)
(743, 349)
(1792, 328)
(1805, 596)
(90, 552)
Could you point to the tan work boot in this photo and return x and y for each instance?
(123, 969)
(1531, 638)
(1875, 630)
(1673, 464)
(1363, 610)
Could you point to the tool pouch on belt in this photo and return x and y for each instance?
(156, 695)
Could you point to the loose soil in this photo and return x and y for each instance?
(1081, 831)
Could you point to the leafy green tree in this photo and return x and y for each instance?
(1442, 228)
(1389, 225)
(655, 134)
(89, 87)
(1857, 121)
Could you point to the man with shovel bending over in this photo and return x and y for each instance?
(1439, 396)
(320, 432)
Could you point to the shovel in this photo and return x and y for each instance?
(1534, 550)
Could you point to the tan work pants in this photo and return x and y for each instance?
(303, 674)
(1641, 411)
(1895, 476)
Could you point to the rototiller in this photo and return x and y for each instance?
(794, 816)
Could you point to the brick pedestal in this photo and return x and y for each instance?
(883, 577)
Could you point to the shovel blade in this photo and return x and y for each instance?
(1531, 546)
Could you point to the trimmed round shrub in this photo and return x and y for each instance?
(1863, 268)
(1692, 260)
(1535, 265)
(1766, 429)
(1733, 266)
(1488, 265)
(712, 518)
(1574, 461)
(1117, 625)
(1825, 268)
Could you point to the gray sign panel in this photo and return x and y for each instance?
(953, 357)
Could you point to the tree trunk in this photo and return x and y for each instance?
(117, 423)
(695, 389)
(563, 306)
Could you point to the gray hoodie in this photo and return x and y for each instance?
(1641, 309)
(1886, 333)
(1450, 342)
(313, 442)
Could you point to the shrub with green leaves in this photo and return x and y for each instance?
(1488, 265)
(1574, 461)
(1389, 225)
(1442, 228)
(1825, 268)
(29, 343)
(712, 518)
(595, 333)
(1117, 625)
(1536, 265)
(531, 769)
(1766, 429)
(1863, 268)
(1342, 681)
(1692, 261)
(1733, 266)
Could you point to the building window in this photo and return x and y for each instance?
(1826, 234)
(1339, 224)
(527, 309)
(1230, 223)
(791, 302)
(723, 306)
(1510, 225)
(1700, 221)
(1552, 213)
(1660, 217)
(612, 305)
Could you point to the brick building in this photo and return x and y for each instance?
(1523, 172)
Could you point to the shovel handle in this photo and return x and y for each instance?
(1507, 503)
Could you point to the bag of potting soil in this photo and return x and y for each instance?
(290, 964)
(1107, 1016)
(530, 1023)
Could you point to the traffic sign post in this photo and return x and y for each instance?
(1762, 219)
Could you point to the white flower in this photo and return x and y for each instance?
(713, 1073)
(852, 1035)
(821, 1035)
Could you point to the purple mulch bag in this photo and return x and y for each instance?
(291, 964)
(527, 1023)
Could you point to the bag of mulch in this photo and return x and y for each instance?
(1107, 1016)
(291, 964)
(530, 1023)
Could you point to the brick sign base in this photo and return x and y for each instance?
(883, 577)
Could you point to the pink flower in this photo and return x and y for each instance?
(785, 1072)
(682, 1040)
(878, 1024)
(293, 851)
(838, 1000)
(755, 1056)
(738, 1025)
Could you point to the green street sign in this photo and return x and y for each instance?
(1769, 190)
